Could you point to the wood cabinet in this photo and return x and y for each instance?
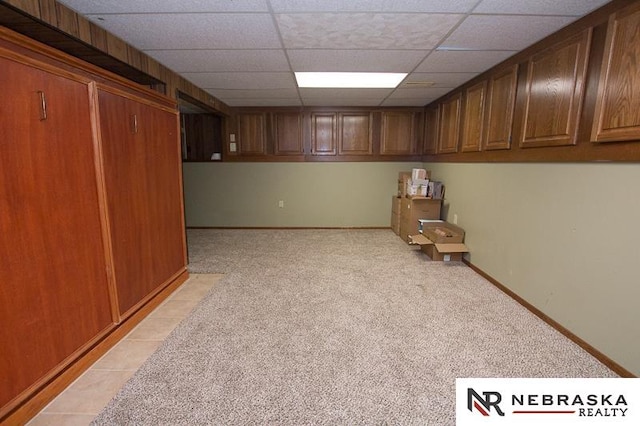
(554, 93)
(91, 220)
(473, 120)
(252, 134)
(355, 136)
(143, 194)
(501, 97)
(617, 115)
(431, 121)
(399, 132)
(324, 130)
(449, 126)
(54, 297)
(288, 133)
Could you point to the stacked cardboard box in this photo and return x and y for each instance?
(414, 208)
(440, 240)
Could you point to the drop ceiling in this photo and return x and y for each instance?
(244, 52)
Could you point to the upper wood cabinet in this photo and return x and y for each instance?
(554, 93)
(473, 120)
(324, 130)
(252, 133)
(617, 115)
(355, 136)
(288, 133)
(399, 131)
(501, 98)
(449, 129)
(431, 117)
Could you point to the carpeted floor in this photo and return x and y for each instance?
(335, 327)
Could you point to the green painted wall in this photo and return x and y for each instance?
(565, 237)
(314, 194)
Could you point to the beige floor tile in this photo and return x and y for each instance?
(174, 309)
(191, 291)
(90, 393)
(153, 329)
(46, 419)
(205, 279)
(127, 355)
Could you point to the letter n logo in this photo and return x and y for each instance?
(483, 405)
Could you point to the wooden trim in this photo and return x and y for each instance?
(608, 362)
(31, 407)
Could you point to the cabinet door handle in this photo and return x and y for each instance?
(43, 105)
(134, 123)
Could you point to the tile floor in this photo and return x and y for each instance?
(88, 395)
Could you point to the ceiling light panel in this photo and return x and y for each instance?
(193, 31)
(345, 93)
(264, 102)
(503, 32)
(221, 60)
(364, 30)
(339, 102)
(349, 80)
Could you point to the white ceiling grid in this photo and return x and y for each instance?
(244, 52)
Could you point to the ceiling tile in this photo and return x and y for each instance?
(193, 31)
(169, 6)
(255, 93)
(242, 80)
(503, 32)
(463, 61)
(405, 6)
(364, 30)
(399, 102)
(221, 60)
(449, 79)
(539, 7)
(355, 60)
(413, 93)
(264, 102)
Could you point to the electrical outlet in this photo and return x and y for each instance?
(232, 147)
(232, 137)
(455, 218)
(281, 204)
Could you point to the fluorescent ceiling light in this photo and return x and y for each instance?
(357, 80)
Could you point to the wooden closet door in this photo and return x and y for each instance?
(142, 176)
(54, 297)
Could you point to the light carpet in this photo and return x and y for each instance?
(335, 327)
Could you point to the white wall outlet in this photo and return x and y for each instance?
(232, 137)
(455, 218)
(233, 147)
(281, 204)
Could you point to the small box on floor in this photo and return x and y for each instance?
(440, 240)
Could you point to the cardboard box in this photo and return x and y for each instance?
(418, 174)
(396, 203)
(403, 178)
(414, 190)
(414, 209)
(439, 240)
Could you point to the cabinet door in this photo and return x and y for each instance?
(617, 116)
(252, 134)
(473, 122)
(355, 134)
(143, 182)
(323, 133)
(398, 133)
(54, 296)
(431, 125)
(449, 133)
(501, 99)
(288, 131)
(554, 93)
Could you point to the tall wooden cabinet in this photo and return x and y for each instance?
(91, 220)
